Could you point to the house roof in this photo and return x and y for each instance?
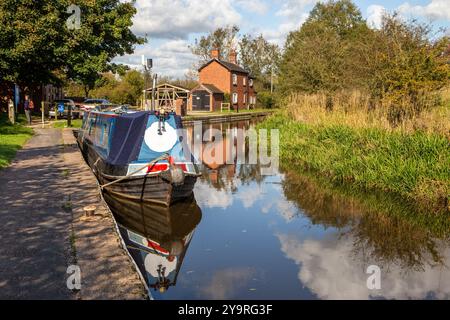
(212, 88)
(230, 66)
(209, 87)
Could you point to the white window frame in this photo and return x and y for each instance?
(245, 98)
(244, 80)
(250, 82)
(235, 98)
(235, 79)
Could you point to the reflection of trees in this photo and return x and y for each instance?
(382, 235)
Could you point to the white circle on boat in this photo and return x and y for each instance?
(160, 142)
(153, 261)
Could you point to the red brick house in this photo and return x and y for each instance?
(217, 78)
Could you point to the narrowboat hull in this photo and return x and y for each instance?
(124, 178)
(147, 188)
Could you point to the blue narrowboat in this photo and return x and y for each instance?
(138, 155)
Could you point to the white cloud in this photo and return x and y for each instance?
(435, 10)
(255, 6)
(375, 15)
(328, 267)
(278, 36)
(292, 9)
(172, 58)
(179, 18)
(293, 14)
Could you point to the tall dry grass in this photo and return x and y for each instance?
(354, 109)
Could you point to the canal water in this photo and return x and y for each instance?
(285, 236)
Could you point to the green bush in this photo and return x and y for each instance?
(265, 99)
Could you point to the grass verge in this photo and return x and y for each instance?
(12, 138)
(76, 123)
(414, 165)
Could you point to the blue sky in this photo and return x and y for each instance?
(171, 25)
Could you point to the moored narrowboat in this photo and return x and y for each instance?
(138, 155)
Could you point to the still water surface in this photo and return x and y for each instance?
(248, 236)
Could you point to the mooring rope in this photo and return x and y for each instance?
(163, 157)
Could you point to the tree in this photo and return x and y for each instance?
(222, 39)
(36, 45)
(32, 41)
(125, 89)
(319, 56)
(404, 67)
(259, 57)
(104, 33)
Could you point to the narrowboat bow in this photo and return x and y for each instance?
(138, 155)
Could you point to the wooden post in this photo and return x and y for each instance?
(42, 113)
(11, 111)
(69, 116)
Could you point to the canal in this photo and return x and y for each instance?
(285, 236)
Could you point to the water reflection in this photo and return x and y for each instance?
(157, 237)
(414, 262)
(286, 236)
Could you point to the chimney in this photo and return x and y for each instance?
(233, 56)
(215, 54)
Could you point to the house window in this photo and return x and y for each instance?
(245, 97)
(245, 81)
(250, 82)
(235, 79)
(235, 98)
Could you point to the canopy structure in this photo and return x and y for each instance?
(167, 95)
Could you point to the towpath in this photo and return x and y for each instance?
(43, 229)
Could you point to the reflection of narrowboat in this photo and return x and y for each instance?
(156, 236)
(138, 155)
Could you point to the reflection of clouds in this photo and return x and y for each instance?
(250, 195)
(286, 209)
(329, 269)
(224, 283)
(209, 197)
(266, 196)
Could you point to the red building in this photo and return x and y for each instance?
(217, 78)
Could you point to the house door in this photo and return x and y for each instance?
(201, 100)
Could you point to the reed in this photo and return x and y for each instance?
(362, 148)
(355, 109)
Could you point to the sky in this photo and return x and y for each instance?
(171, 25)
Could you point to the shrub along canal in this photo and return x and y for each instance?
(286, 236)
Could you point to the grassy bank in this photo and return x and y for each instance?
(76, 123)
(12, 138)
(359, 149)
